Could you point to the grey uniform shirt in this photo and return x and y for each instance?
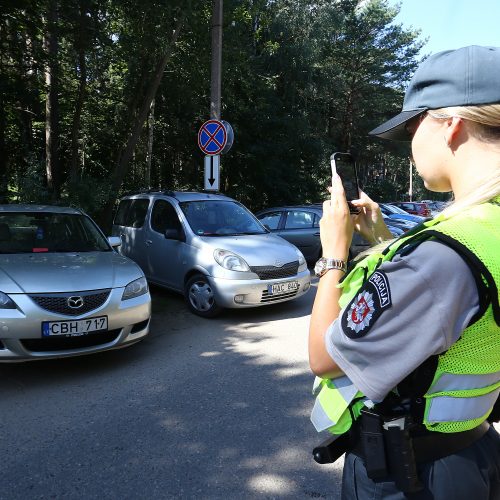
(416, 305)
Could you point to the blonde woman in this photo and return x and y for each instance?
(406, 346)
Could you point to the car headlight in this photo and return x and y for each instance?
(6, 302)
(229, 260)
(135, 289)
(302, 261)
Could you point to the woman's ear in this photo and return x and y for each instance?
(454, 126)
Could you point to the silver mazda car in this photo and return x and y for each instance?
(64, 290)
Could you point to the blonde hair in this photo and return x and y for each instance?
(483, 124)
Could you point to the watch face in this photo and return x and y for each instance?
(320, 266)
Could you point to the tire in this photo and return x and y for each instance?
(200, 297)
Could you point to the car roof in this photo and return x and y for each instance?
(312, 206)
(21, 207)
(414, 202)
(181, 195)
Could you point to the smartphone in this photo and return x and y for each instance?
(344, 165)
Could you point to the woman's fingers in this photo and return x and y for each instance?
(364, 201)
(338, 193)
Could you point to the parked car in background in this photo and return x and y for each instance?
(299, 224)
(436, 207)
(398, 226)
(64, 290)
(211, 249)
(396, 213)
(413, 207)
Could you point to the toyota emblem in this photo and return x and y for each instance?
(75, 302)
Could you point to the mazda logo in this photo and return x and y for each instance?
(278, 263)
(75, 302)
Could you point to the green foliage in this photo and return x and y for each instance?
(301, 79)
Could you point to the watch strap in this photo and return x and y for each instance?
(325, 264)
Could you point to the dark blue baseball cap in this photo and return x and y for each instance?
(463, 77)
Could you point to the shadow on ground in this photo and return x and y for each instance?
(200, 409)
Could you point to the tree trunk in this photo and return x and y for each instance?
(74, 170)
(126, 153)
(52, 104)
(151, 126)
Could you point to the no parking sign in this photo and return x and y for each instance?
(215, 137)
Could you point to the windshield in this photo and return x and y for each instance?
(220, 218)
(34, 232)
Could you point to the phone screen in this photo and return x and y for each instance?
(343, 164)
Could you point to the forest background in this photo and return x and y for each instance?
(104, 97)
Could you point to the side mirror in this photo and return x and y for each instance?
(175, 234)
(114, 241)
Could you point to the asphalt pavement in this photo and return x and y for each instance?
(203, 409)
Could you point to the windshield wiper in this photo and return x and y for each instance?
(251, 232)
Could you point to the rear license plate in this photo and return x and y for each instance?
(285, 287)
(74, 328)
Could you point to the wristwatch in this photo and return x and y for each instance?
(323, 265)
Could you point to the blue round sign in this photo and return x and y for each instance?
(212, 137)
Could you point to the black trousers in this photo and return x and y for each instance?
(473, 473)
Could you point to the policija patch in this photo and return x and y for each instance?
(360, 315)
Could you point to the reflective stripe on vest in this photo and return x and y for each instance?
(332, 402)
(454, 409)
(456, 382)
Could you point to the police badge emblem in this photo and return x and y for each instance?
(366, 307)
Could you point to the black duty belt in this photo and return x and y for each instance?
(432, 446)
(436, 445)
(393, 447)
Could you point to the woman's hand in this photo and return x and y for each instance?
(369, 222)
(336, 225)
(336, 228)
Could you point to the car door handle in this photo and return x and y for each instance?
(149, 242)
(316, 234)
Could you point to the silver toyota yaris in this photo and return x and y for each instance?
(64, 291)
(210, 248)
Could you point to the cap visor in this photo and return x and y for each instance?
(395, 127)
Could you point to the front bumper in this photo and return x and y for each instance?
(21, 338)
(253, 293)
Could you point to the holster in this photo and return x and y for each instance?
(385, 445)
(372, 443)
(400, 455)
(332, 449)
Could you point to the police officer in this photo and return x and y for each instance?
(406, 346)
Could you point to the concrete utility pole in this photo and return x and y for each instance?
(215, 81)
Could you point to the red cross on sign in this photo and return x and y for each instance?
(212, 137)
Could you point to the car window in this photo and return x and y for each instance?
(122, 212)
(28, 232)
(132, 213)
(220, 218)
(298, 219)
(271, 219)
(317, 218)
(407, 206)
(164, 216)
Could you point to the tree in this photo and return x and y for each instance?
(300, 79)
